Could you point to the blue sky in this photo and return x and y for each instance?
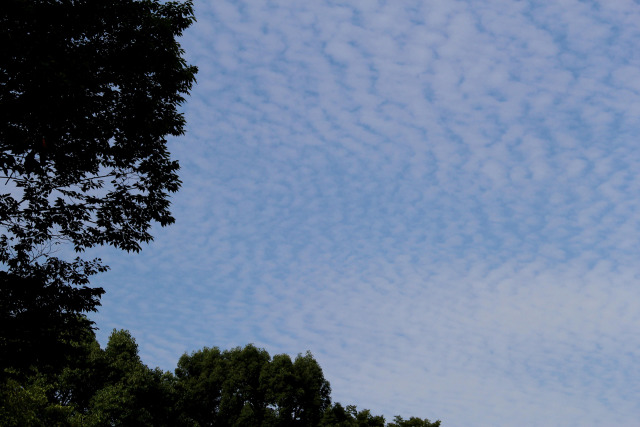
(439, 199)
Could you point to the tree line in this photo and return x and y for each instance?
(210, 387)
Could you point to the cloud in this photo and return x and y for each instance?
(438, 199)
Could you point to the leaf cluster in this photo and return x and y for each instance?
(244, 386)
(41, 313)
(89, 93)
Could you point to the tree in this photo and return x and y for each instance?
(200, 376)
(97, 387)
(337, 415)
(244, 386)
(89, 94)
(127, 391)
(222, 388)
(243, 399)
(113, 387)
(398, 421)
(313, 394)
(26, 403)
(278, 380)
(39, 324)
(89, 91)
(296, 392)
(237, 387)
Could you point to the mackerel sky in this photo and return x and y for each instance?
(439, 199)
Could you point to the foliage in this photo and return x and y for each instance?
(200, 378)
(89, 93)
(398, 421)
(27, 403)
(244, 386)
(337, 415)
(39, 315)
(237, 387)
(116, 388)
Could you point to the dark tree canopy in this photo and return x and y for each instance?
(38, 322)
(211, 387)
(244, 386)
(89, 94)
(89, 91)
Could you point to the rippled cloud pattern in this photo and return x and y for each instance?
(439, 199)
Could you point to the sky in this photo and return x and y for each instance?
(439, 199)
